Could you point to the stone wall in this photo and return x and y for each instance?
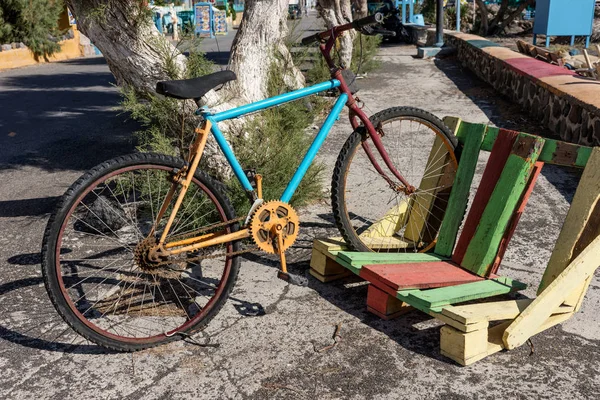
(565, 103)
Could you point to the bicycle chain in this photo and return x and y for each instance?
(207, 228)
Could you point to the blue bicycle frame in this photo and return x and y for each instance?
(309, 157)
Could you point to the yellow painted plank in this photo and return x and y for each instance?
(325, 265)
(386, 243)
(329, 278)
(425, 215)
(459, 326)
(390, 223)
(468, 348)
(329, 245)
(584, 202)
(493, 311)
(530, 320)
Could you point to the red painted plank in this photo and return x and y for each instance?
(517, 216)
(536, 68)
(416, 275)
(500, 152)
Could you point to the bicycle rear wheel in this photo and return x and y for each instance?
(93, 255)
(371, 213)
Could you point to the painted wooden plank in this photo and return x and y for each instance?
(384, 305)
(435, 299)
(329, 245)
(514, 221)
(457, 325)
(425, 215)
(323, 264)
(586, 197)
(329, 278)
(530, 320)
(387, 243)
(459, 196)
(468, 348)
(362, 258)
(493, 311)
(493, 170)
(424, 275)
(453, 123)
(390, 223)
(490, 138)
(568, 154)
(483, 248)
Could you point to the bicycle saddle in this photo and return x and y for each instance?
(194, 88)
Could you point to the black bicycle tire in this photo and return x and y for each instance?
(54, 226)
(345, 156)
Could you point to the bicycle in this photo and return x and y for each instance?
(145, 248)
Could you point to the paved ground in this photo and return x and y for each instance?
(57, 120)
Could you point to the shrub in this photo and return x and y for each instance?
(33, 22)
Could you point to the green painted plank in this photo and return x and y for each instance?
(547, 155)
(355, 260)
(435, 299)
(583, 156)
(388, 258)
(473, 137)
(548, 150)
(483, 248)
(490, 138)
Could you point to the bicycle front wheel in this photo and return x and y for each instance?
(374, 213)
(93, 255)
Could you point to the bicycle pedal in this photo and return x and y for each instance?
(292, 279)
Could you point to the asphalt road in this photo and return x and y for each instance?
(57, 120)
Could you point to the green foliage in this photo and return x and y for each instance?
(164, 3)
(274, 145)
(450, 15)
(33, 22)
(161, 116)
(428, 9)
(363, 59)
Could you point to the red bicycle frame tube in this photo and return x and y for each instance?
(355, 111)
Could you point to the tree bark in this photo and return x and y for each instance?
(501, 12)
(361, 9)
(258, 47)
(334, 13)
(136, 53)
(483, 13)
(514, 15)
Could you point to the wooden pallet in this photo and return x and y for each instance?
(464, 269)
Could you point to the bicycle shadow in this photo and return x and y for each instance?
(414, 331)
(56, 338)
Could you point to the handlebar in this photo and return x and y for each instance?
(376, 18)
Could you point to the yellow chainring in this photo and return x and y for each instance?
(265, 222)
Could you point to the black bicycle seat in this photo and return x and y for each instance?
(194, 88)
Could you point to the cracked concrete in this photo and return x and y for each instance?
(268, 330)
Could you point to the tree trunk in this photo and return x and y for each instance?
(139, 56)
(501, 12)
(507, 21)
(136, 53)
(483, 13)
(361, 8)
(334, 13)
(259, 46)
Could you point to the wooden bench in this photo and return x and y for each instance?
(464, 268)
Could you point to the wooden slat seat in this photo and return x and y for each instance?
(425, 275)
